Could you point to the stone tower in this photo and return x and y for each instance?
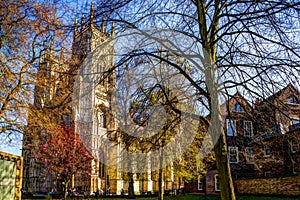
(48, 94)
(93, 59)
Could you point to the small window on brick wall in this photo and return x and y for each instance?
(267, 151)
(293, 146)
(294, 169)
(233, 154)
(249, 155)
(248, 129)
(231, 130)
(217, 182)
(267, 174)
(200, 183)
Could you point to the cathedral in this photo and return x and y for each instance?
(89, 107)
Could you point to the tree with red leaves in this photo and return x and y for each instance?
(64, 155)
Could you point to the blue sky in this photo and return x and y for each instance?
(11, 144)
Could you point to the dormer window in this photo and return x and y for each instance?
(293, 100)
(238, 108)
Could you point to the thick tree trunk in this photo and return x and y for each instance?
(160, 185)
(160, 176)
(216, 126)
(131, 186)
(226, 183)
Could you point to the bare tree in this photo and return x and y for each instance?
(246, 45)
(29, 69)
(26, 28)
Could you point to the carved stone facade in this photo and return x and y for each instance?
(49, 95)
(90, 111)
(93, 53)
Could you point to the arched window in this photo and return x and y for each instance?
(101, 119)
(238, 108)
(67, 121)
(293, 99)
(98, 68)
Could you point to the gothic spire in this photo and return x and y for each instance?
(103, 25)
(82, 22)
(62, 55)
(92, 14)
(51, 50)
(75, 27)
(112, 30)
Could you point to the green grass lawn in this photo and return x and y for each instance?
(207, 197)
(214, 197)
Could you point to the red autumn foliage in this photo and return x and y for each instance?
(63, 154)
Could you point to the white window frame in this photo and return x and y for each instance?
(265, 151)
(217, 180)
(231, 126)
(251, 129)
(239, 109)
(236, 154)
(200, 183)
(249, 155)
(294, 169)
(292, 146)
(295, 120)
(293, 100)
(267, 174)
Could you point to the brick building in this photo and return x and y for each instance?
(262, 139)
(278, 120)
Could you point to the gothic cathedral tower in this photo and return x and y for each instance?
(94, 61)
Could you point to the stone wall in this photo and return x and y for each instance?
(10, 176)
(289, 186)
